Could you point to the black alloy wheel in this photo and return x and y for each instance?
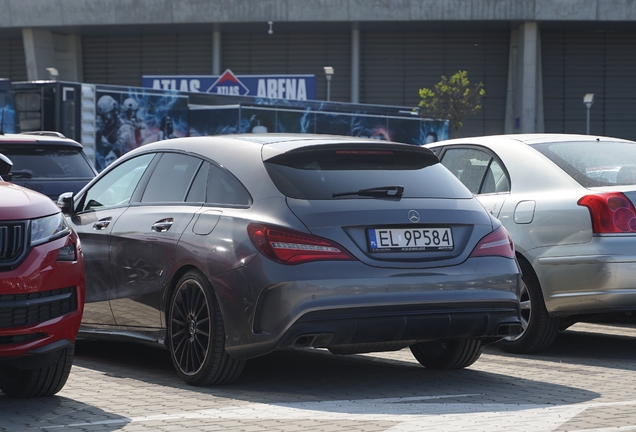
(196, 336)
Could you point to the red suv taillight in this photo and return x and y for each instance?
(611, 212)
(497, 243)
(292, 247)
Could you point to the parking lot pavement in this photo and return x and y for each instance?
(586, 382)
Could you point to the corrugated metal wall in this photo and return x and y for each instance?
(13, 63)
(396, 65)
(122, 60)
(297, 53)
(599, 62)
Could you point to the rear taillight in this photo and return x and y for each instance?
(293, 247)
(497, 243)
(611, 212)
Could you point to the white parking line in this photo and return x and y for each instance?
(411, 414)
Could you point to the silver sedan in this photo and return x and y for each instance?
(568, 203)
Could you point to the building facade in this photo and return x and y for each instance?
(537, 59)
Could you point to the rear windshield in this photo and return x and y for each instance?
(345, 173)
(49, 163)
(594, 164)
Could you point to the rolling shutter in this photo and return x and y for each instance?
(599, 62)
(394, 66)
(122, 60)
(298, 53)
(13, 64)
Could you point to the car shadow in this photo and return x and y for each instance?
(582, 347)
(44, 414)
(301, 376)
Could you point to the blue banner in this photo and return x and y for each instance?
(292, 87)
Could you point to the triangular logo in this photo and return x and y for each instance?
(228, 84)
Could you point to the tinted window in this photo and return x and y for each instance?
(477, 170)
(171, 179)
(47, 163)
(117, 186)
(594, 163)
(225, 189)
(319, 173)
(199, 185)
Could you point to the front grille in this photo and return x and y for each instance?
(18, 310)
(13, 243)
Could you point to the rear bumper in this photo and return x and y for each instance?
(358, 330)
(592, 278)
(371, 306)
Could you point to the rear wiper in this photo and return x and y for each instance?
(376, 192)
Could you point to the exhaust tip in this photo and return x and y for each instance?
(320, 340)
(509, 329)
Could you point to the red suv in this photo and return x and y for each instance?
(42, 287)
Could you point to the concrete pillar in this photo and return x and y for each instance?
(355, 62)
(44, 49)
(39, 53)
(524, 101)
(216, 49)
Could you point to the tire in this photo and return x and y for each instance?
(451, 354)
(539, 329)
(44, 381)
(196, 335)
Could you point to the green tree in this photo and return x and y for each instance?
(453, 99)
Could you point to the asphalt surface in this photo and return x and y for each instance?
(585, 382)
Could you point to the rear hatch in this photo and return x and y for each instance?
(46, 168)
(390, 205)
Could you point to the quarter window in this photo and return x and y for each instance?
(225, 189)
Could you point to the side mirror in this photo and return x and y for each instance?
(65, 203)
(5, 167)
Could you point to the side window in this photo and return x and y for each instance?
(225, 189)
(499, 177)
(171, 179)
(476, 169)
(198, 189)
(116, 187)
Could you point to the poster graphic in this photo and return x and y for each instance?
(244, 118)
(128, 118)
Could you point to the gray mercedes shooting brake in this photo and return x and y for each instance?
(226, 248)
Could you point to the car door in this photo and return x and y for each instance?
(144, 238)
(95, 215)
(481, 172)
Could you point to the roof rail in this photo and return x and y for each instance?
(45, 133)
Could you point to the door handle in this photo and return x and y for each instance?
(163, 225)
(102, 223)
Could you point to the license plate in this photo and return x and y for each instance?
(410, 239)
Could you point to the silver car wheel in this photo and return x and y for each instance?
(526, 311)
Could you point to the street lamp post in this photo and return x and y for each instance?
(328, 75)
(588, 100)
